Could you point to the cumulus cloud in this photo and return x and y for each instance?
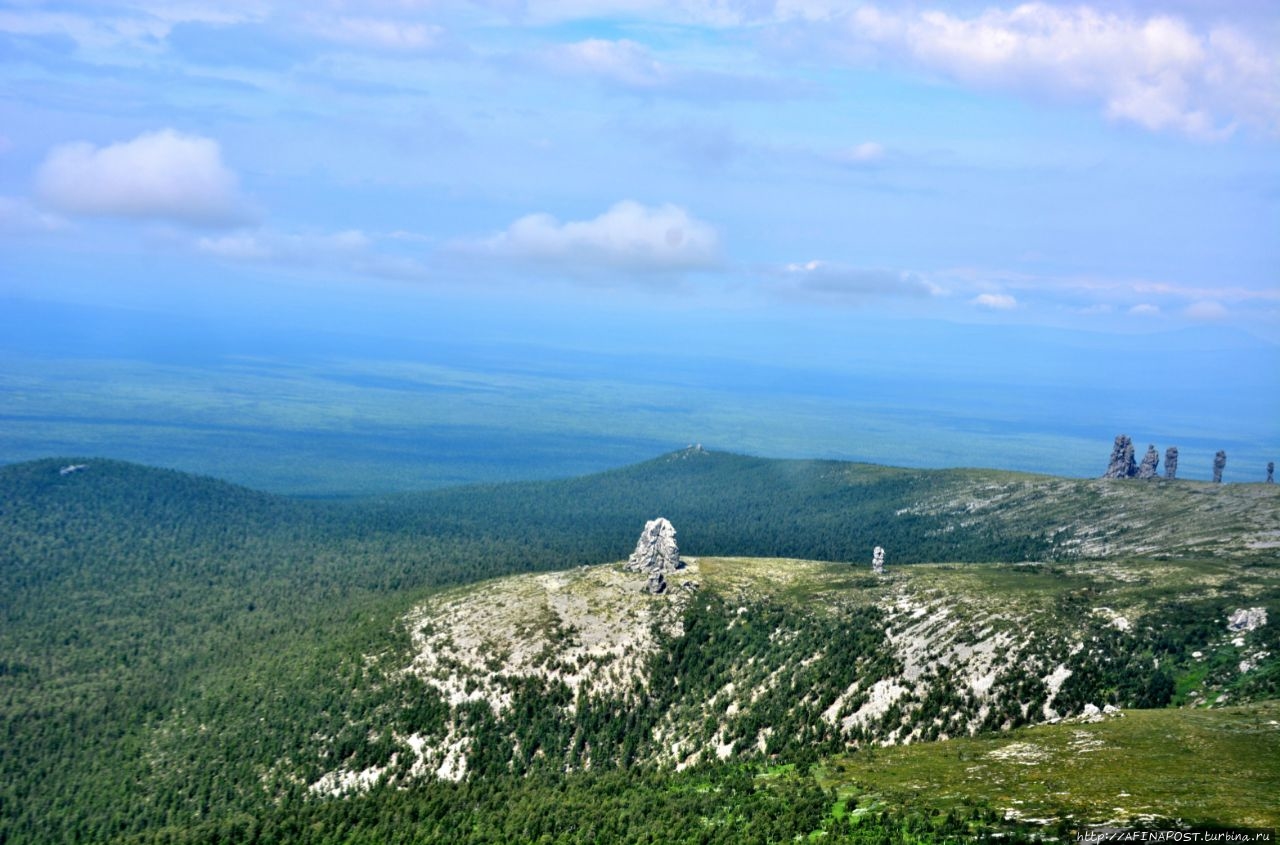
(839, 282)
(995, 301)
(163, 175)
(629, 237)
(1158, 72)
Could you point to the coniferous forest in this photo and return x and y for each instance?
(169, 642)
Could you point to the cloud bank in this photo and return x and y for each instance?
(1158, 72)
(162, 175)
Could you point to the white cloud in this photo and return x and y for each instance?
(143, 25)
(1206, 309)
(835, 281)
(1145, 309)
(622, 61)
(381, 33)
(629, 237)
(162, 175)
(632, 66)
(864, 153)
(351, 252)
(18, 215)
(995, 301)
(286, 248)
(1158, 72)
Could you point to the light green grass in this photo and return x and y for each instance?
(1205, 767)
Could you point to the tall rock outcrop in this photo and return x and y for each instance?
(1121, 465)
(656, 553)
(1171, 462)
(1150, 462)
(1219, 464)
(877, 560)
(1271, 472)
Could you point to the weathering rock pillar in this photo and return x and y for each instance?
(1171, 462)
(1219, 464)
(656, 552)
(1271, 472)
(1150, 462)
(1121, 465)
(877, 560)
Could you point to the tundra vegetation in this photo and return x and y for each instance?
(184, 660)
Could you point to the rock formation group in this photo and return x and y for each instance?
(1122, 464)
(656, 553)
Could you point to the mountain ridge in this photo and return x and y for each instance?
(178, 647)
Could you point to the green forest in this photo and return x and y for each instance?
(169, 643)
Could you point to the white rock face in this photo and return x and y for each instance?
(656, 553)
(877, 560)
(1247, 619)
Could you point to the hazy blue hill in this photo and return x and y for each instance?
(727, 504)
(721, 504)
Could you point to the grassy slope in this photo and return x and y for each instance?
(1202, 766)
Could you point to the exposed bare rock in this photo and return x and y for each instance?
(877, 560)
(1121, 465)
(1150, 462)
(656, 552)
(1219, 463)
(1247, 619)
(1271, 472)
(1171, 462)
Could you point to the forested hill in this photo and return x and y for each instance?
(135, 599)
(832, 510)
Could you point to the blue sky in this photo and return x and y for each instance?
(800, 180)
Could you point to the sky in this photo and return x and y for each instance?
(972, 192)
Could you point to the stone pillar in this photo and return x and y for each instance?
(1150, 462)
(1121, 464)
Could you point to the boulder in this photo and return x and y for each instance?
(1247, 619)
